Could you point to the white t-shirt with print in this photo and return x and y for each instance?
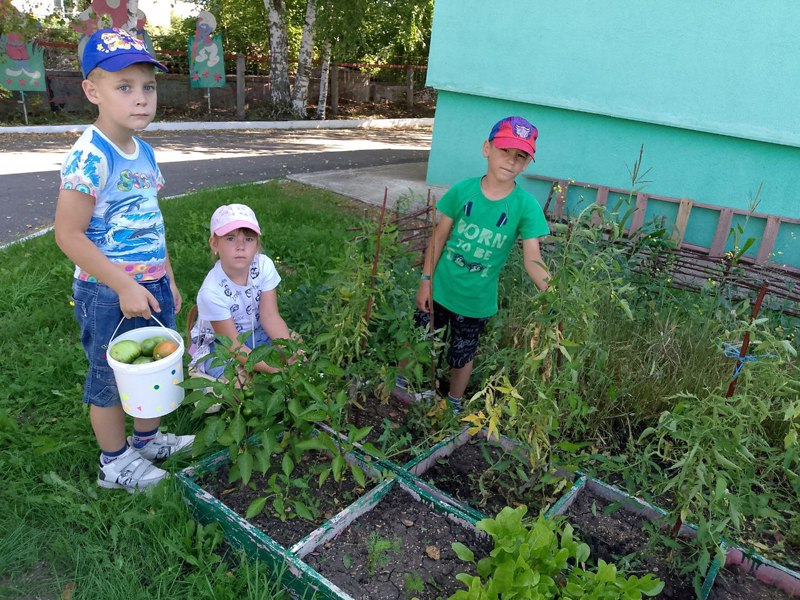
(220, 298)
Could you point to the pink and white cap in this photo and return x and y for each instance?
(230, 217)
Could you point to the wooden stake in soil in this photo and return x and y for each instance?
(746, 341)
(375, 256)
(431, 327)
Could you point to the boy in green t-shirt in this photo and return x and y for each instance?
(480, 220)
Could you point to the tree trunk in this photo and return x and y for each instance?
(323, 80)
(334, 90)
(278, 54)
(300, 92)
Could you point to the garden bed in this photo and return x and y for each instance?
(761, 576)
(734, 584)
(394, 433)
(331, 498)
(616, 533)
(398, 548)
(247, 535)
(486, 475)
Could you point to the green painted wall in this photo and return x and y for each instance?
(707, 89)
(726, 67)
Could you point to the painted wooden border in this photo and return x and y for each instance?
(726, 215)
(764, 569)
(256, 544)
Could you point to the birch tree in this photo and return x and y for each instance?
(278, 53)
(304, 58)
(322, 103)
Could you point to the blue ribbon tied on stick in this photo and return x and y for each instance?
(731, 351)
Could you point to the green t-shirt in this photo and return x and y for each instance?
(484, 232)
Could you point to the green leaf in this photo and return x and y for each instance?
(358, 475)
(311, 443)
(277, 504)
(237, 428)
(287, 466)
(790, 439)
(302, 510)
(721, 487)
(504, 574)
(245, 462)
(463, 552)
(315, 415)
(255, 508)
(337, 466)
(315, 394)
(360, 434)
(323, 475)
(606, 572)
(626, 308)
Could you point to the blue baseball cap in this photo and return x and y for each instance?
(114, 49)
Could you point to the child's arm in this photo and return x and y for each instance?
(432, 254)
(534, 264)
(273, 323)
(176, 294)
(270, 317)
(228, 329)
(73, 212)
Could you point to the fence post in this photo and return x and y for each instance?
(409, 86)
(240, 99)
(334, 89)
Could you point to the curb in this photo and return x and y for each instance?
(236, 125)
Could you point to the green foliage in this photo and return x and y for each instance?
(541, 560)
(360, 30)
(379, 551)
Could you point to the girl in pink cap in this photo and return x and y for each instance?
(239, 294)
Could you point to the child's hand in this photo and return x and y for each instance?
(424, 296)
(136, 301)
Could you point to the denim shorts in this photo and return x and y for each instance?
(259, 337)
(98, 314)
(463, 333)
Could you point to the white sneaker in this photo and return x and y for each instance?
(130, 472)
(164, 445)
(403, 395)
(424, 396)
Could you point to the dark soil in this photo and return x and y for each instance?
(485, 476)
(617, 535)
(417, 561)
(732, 584)
(329, 499)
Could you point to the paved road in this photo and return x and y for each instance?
(192, 160)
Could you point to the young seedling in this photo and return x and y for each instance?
(379, 551)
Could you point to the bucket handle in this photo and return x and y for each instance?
(171, 332)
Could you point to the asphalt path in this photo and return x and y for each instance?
(192, 160)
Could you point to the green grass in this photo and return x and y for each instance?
(58, 531)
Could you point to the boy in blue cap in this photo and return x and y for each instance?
(109, 224)
(480, 220)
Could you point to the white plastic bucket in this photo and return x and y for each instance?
(151, 389)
